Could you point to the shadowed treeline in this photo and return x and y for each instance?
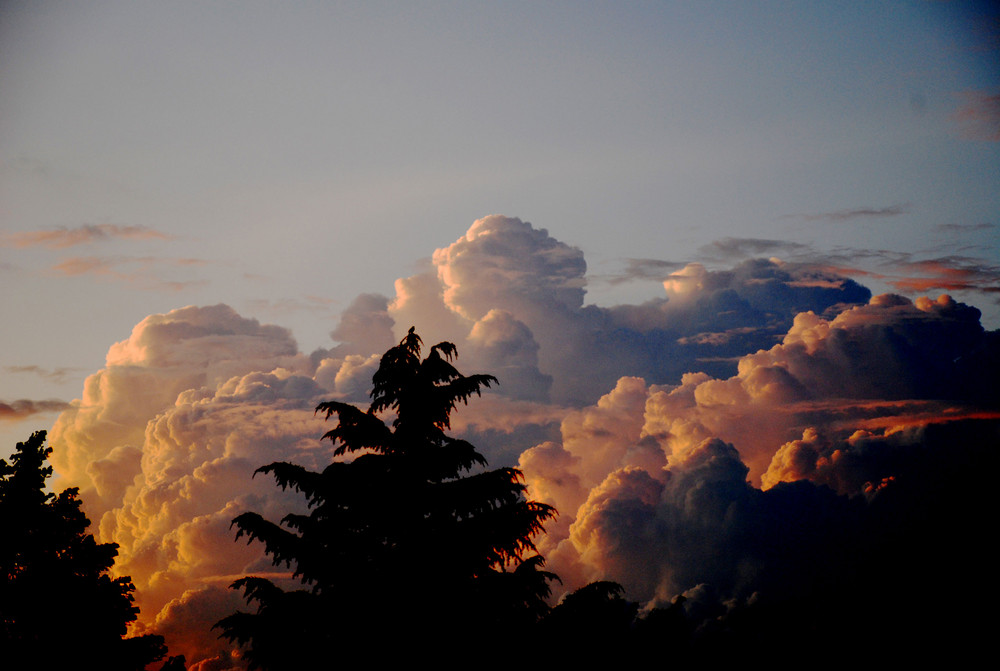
(58, 605)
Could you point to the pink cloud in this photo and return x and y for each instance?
(62, 237)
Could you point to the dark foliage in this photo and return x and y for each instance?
(58, 605)
(410, 546)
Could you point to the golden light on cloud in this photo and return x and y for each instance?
(165, 438)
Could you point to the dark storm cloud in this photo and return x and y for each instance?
(861, 462)
(922, 500)
(654, 484)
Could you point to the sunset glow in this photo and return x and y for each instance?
(735, 268)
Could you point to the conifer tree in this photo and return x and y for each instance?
(58, 605)
(409, 545)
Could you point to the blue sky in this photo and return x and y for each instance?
(285, 158)
(332, 165)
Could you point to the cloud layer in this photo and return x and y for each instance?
(680, 439)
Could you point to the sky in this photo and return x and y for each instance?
(657, 223)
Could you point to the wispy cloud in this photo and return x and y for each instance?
(136, 269)
(55, 374)
(949, 273)
(965, 228)
(854, 213)
(979, 116)
(731, 249)
(909, 273)
(18, 410)
(639, 270)
(64, 236)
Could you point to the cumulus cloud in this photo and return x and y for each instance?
(504, 266)
(165, 439)
(365, 327)
(64, 236)
(680, 439)
(504, 344)
(658, 485)
(505, 263)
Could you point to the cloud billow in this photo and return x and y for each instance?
(705, 320)
(662, 498)
(721, 439)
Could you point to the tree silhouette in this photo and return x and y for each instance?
(58, 605)
(411, 545)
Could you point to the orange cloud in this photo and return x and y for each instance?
(62, 237)
(949, 274)
(140, 274)
(165, 437)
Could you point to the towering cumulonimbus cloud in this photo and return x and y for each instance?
(165, 440)
(504, 266)
(658, 491)
(679, 439)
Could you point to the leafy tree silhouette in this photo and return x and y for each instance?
(58, 605)
(404, 549)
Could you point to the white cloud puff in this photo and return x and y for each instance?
(165, 440)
